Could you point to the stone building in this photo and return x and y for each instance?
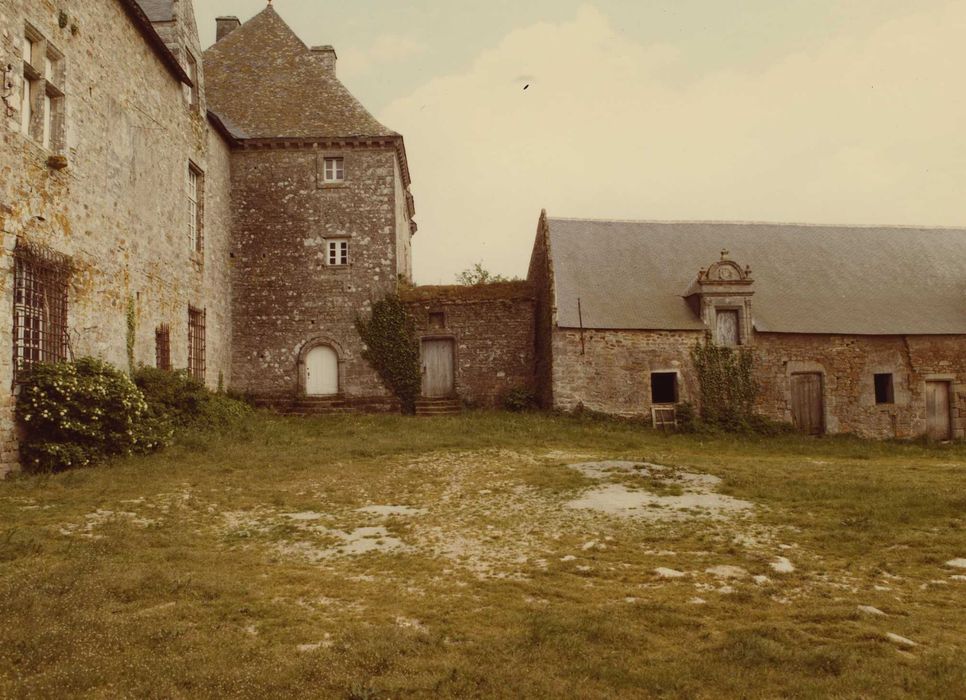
(114, 193)
(852, 329)
(232, 211)
(322, 214)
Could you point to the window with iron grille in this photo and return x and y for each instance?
(162, 347)
(196, 343)
(39, 307)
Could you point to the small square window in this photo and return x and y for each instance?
(664, 387)
(338, 252)
(334, 170)
(884, 392)
(437, 320)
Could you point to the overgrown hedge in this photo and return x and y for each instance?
(75, 414)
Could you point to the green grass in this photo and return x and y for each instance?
(183, 574)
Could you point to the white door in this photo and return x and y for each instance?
(321, 372)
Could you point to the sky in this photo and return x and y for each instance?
(815, 111)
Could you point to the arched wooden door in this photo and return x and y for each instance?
(321, 372)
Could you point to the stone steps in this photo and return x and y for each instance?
(446, 406)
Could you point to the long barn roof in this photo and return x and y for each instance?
(808, 279)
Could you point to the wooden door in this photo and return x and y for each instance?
(438, 377)
(321, 372)
(938, 423)
(808, 404)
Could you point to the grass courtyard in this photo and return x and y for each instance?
(384, 556)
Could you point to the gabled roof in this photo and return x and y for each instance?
(264, 81)
(808, 279)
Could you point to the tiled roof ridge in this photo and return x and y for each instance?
(740, 222)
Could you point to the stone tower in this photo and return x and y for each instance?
(322, 215)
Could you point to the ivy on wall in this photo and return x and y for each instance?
(393, 349)
(132, 327)
(727, 386)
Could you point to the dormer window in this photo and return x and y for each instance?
(334, 170)
(191, 91)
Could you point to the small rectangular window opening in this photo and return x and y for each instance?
(884, 392)
(664, 387)
(191, 91)
(437, 320)
(334, 170)
(338, 252)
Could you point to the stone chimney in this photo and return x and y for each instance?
(225, 26)
(326, 56)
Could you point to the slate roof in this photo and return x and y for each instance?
(266, 83)
(158, 10)
(808, 279)
(135, 10)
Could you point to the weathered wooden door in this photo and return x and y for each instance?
(438, 367)
(321, 372)
(808, 404)
(938, 424)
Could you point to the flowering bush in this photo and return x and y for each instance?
(77, 413)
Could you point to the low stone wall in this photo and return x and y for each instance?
(492, 327)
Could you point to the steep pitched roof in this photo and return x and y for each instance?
(139, 17)
(265, 82)
(808, 279)
(158, 10)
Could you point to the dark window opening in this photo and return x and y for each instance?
(664, 387)
(162, 347)
(884, 392)
(437, 319)
(39, 307)
(196, 343)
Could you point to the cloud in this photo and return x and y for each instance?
(860, 129)
(386, 49)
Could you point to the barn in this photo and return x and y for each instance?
(852, 329)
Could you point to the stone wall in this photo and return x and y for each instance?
(612, 374)
(848, 365)
(544, 312)
(286, 297)
(492, 327)
(610, 371)
(119, 209)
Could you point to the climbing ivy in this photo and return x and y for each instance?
(727, 385)
(393, 349)
(132, 327)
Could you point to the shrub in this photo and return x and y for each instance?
(687, 418)
(392, 349)
(78, 413)
(519, 399)
(185, 402)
